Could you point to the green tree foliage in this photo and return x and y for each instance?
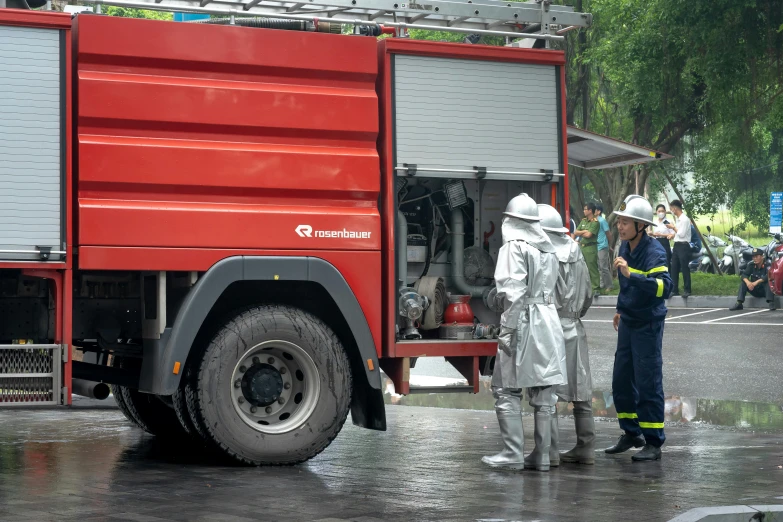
(701, 79)
(129, 12)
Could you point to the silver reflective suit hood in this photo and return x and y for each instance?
(515, 229)
(573, 298)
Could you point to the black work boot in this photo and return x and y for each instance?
(626, 442)
(737, 306)
(649, 452)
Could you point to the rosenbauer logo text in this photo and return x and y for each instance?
(307, 231)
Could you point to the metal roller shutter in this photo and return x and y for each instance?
(459, 114)
(31, 165)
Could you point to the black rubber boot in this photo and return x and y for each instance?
(649, 452)
(625, 442)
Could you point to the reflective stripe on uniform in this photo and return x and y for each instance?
(659, 293)
(651, 425)
(627, 416)
(656, 270)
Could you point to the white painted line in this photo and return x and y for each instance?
(697, 313)
(735, 316)
(708, 323)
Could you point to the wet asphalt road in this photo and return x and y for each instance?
(710, 354)
(90, 465)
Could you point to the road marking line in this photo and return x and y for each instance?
(709, 323)
(697, 313)
(735, 316)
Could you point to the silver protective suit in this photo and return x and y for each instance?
(573, 298)
(531, 350)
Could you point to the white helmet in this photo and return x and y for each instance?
(523, 207)
(636, 208)
(550, 219)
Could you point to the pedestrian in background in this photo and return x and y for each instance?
(604, 240)
(587, 235)
(662, 233)
(681, 253)
(571, 222)
(637, 379)
(755, 280)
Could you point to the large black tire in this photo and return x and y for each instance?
(146, 411)
(116, 391)
(312, 418)
(152, 414)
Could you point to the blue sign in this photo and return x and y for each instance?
(775, 212)
(187, 17)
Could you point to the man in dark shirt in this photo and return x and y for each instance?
(755, 280)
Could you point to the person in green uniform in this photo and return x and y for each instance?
(587, 235)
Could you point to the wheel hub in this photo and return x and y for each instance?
(262, 385)
(275, 387)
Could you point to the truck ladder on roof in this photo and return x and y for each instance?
(537, 19)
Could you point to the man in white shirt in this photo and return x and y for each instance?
(681, 253)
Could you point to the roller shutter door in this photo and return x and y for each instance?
(459, 114)
(31, 164)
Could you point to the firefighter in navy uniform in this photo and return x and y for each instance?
(637, 381)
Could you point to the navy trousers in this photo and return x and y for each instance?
(637, 382)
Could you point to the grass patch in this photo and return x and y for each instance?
(703, 284)
(723, 221)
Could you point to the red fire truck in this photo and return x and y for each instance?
(237, 223)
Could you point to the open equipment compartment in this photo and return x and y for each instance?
(467, 128)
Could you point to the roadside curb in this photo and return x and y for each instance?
(697, 301)
(730, 513)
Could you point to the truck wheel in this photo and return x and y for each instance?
(272, 387)
(181, 409)
(152, 414)
(116, 391)
(146, 411)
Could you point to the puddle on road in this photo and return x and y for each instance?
(740, 414)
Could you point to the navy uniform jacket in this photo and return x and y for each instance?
(642, 296)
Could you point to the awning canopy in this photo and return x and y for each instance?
(595, 151)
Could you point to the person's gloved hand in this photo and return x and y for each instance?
(505, 338)
(491, 300)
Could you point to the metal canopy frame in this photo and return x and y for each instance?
(488, 17)
(595, 151)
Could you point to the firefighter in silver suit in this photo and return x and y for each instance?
(531, 351)
(573, 298)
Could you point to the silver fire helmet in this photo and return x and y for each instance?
(636, 208)
(550, 219)
(523, 207)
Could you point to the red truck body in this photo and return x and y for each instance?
(187, 145)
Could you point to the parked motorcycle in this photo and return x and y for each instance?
(775, 259)
(734, 255)
(703, 263)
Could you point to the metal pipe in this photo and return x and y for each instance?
(350, 21)
(472, 171)
(37, 252)
(402, 249)
(90, 389)
(458, 257)
(567, 29)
